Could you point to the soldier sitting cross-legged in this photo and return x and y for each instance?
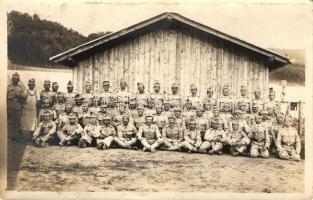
(149, 135)
(90, 130)
(71, 132)
(126, 134)
(213, 139)
(192, 137)
(106, 133)
(45, 131)
(237, 139)
(172, 135)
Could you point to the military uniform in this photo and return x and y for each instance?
(70, 133)
(243, 99)
(220, 118)
(288, 143)
(160, 120)
(90, 131)
(70, 96)
(260, 141)
(243, 125)
(237, 139)
(47, 108)
(63, 118)
(85, 115)
(202, 124)
(126, 135)
(175, 99)
(192, 138)
(105, 134)
(107, 97)
(59, 107)
(172, 136)
(77, 109)
(139, 120)
(15, 97)
(55, 87)
(45, 132)
(117, 119)
(157, 98)
(258, 100)
(179, 119)
(213, 139)
(47, 94)
(226, 104)
(87, 95)
(209, 102)
(150, 136)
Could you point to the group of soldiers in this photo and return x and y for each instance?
(242, 126)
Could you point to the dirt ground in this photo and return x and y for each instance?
(74, 169)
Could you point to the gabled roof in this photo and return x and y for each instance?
(66, 58)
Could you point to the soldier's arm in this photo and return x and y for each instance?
(157, 131)
(267, 139)
(119, 132)
(79, 129)
(207, 135)
(186, 137)
(139, 133)
(37, 131)
(198, 139)
(278, 139)
(298, 143)
(164, 132)
(53, 128)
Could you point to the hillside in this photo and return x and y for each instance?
(31, 40)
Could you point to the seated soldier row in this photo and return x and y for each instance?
(202, 131)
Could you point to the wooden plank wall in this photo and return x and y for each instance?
(167, 55)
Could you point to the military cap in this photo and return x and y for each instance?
(271, 90)
(106, 83)
(68, 105)
(126, 116)
(69, 84)
(255, 105)
(156, 83)
(55, 84)
(85, 104)
(177, 109)
(140, 84)
(243, 87)
(235, 122)
(60, 94)
(93, 115)
(210, 89)
(123, 81)
(199, 108)
(158, 106)
(193, 87)
(132, 102)
(45, 100)
(106, 117)
(79, 97)
(257, 90)
(237, 111)
(148, 115)
(103, 106)
(31, 81)
(280, 114)
(263, 112)
(47, 113)
(192, 121)
(215, 121)
(175, 85)
(216, 108)
(140, 107)
(15, 76)
(87, 83)
(47, 82)
(99, 117)
(72, 116)
(171, 116)
(225, 86)
(166, 102)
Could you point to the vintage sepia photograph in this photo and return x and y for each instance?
(157, 97)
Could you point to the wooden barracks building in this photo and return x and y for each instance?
(168, 48)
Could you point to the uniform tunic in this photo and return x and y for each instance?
(195, 101)
(149, 133)
(209, 101)
(47, 95)
(172, 136)
(45, 131)
(175, 100)
(288, 143)
(70, 132)
(89, 132)
(88, 97)
(70, 98)
(59, 108)
(123, 97)
(213, 138)
(157, 99)
(105, 135)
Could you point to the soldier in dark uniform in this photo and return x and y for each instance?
(47, 93)
(126, 134)
(70, 96)
(156, 98)
(87, 95)
(123, 96)
(174, 98)
(16, 95)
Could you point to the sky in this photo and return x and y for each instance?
(269, 24)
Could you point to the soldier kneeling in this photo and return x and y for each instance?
(126, 134)
(214, 138)
(238, 140)
(260, 140)
(149, 135)
(105, 134)
(172, 135)
(288, 142)
(45, 131)
(71, 132)
(89, 132)
(192, 137)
